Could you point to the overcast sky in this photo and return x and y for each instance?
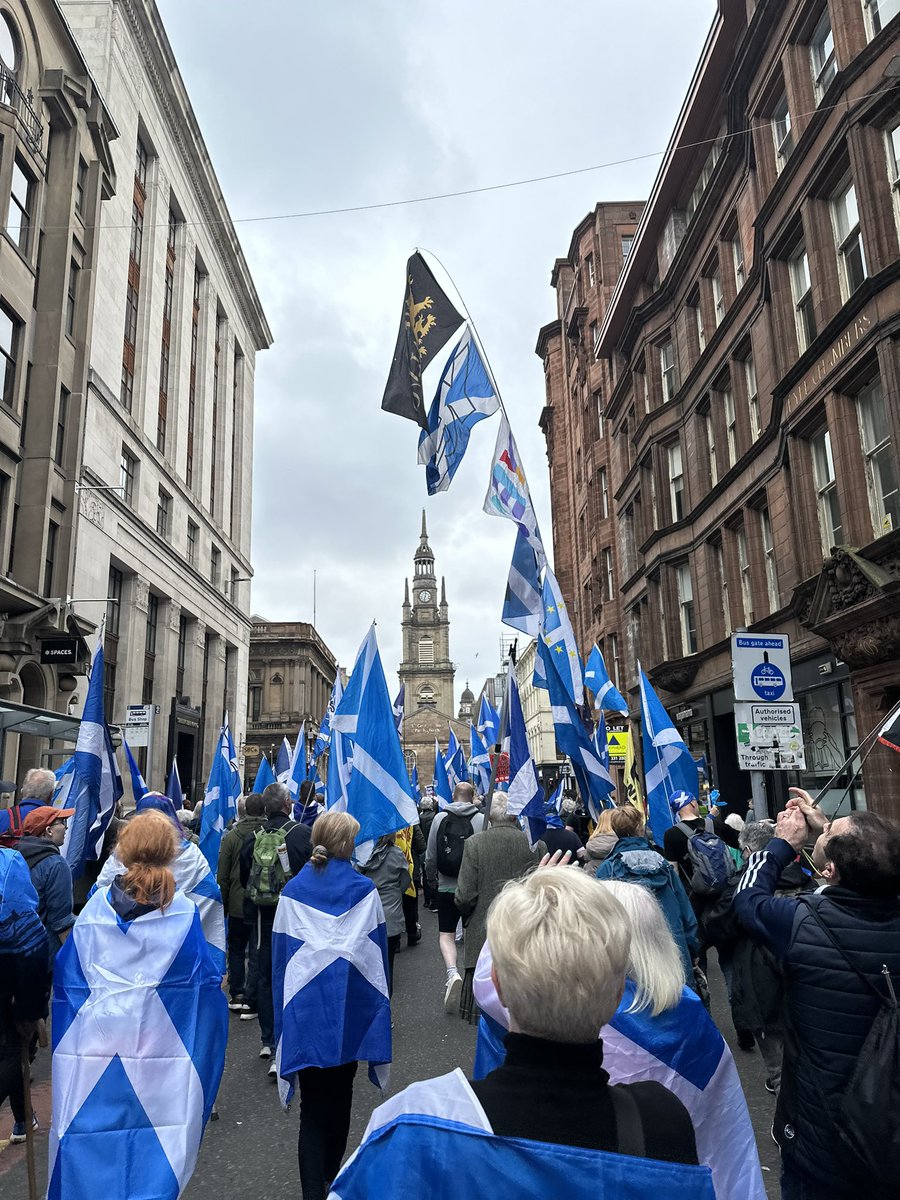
(309, 106)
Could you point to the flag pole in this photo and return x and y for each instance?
(504, 722)
(869, 742)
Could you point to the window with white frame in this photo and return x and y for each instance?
(892, 135)
(801, 291)
(737, 257)
(718, 296)
(686, 609)
(881, 464)
(821, 55)
(711, 446)
(848, 239)
(668, 370)
(830, 523)
(676, 481)
(627, 243)
(614, 658)
(603, 481)
(608, 585)
(782, 133)
(654, 512)
(595, 339)
(718, 554)
(878, 13)
(589, 263)
(701, 331)
(746, 581)
(752, 396)
(730, 422)
(598, 400)
(768, 545)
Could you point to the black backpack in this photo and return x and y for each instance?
(451, 839)
(867, 1119)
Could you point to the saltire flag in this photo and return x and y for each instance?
(479, 761)
(283, 761)
(488, 723)
(65, 773)
(173, 786)
(398, 707)
(680, 1048)
(601, 742)
(594, 779)
(414, 784)
(559, 636)
(508, 495)
(96, 785)
(329, 975)
(219, 803)
(140, 1024)
(465, 396)
(323, 737)
(427, 323)
(889, 733)
(378, 790)
(442, 788)
(264, 775)
(455, 761)
(297, 771)
(668, 764)
(438, 1131)
(522, 604)
(524, 796)
(340, 755)
(596, 677)
(237, 783)
(555, 798)
(138, 784)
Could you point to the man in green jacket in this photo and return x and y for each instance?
(241, 933)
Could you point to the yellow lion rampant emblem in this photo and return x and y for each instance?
(418, 319)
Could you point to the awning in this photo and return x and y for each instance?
(41, 722)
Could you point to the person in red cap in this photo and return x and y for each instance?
(45, 831)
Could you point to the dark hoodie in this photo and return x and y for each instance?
(389, 871)
(228, 871)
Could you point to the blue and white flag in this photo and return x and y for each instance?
(479, 761)
(173, 786)
(596, 677)
(283, 761)
(668, 764)
(323, 737)
(442, 789)
(138, 784)
(437, 1131)
(329, 975)
(140, 1023)
(594, 779)
(522, 605)
(96, 785)
(264, 775)
(414, 784)
(683, 1050)
(398, 708)
(508, 495)
(488, 723)
(237, 782)
(555, 799)
(297, 770)
(559, 636)
(525, 796)
(378, 790)
(455, 761)
(340, 756)
(219, 804)
(464, 397)
(65, 773)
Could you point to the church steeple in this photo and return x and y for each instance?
(426, 668)
(424, 558)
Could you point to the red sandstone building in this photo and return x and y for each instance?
(748, 372)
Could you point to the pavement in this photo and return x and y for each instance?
(251, 1151)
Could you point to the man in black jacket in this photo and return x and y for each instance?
(829, 1008)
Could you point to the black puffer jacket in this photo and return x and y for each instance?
(829, 1009)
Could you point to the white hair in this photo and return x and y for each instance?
(560, 947)
(500, 814)
(735, 821)
(38, 784)
(756, 835)
(655, 965)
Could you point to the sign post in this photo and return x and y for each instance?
(138, 729)
(767, 721)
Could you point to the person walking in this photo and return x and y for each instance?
(388, 869)
(600, 842)
(411, 841)
(426, 818)
(242, 978)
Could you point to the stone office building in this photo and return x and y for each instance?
(754, 386)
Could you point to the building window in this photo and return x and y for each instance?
(718, 553)
(215, 566)
(162, 411)
(81, 187)
(603, 481)
(50, 557)
(686, 609)
(608, 581)
(595, 338)
(598, 400)
(129, 348)
(10, 341)
(62, 414)
(627, 243)
(730, 414)
(426, 651)
(614, 658)
(111, 640)
(192, 535)
(214, 431)
(752, 396)
(710, 425)
(163, 514)
(830, 523)
(848, 239)
(718, 296)
(21, 203)
(192, 379)
(881, 467)
(237, 387)
(821, 55)
(697, 307)
(782, 133)
(737, 257)
(255, 704)
(127, 475)
(72, 297)
(589, 264)
(768, 545)
(668, 370)
(746, 581)
(878, 13)
(426, 695)
(676, 482)
(801, 290)
(152, 624)
(893, 149)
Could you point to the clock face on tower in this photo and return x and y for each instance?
(424, 596)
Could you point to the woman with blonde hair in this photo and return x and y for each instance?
(140, 1024)
(330, 990)
(600, 842)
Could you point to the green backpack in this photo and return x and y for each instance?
(267, 875)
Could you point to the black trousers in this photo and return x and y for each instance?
(411, 916)
(242, 959)
(262, 930)
(393, 944)
(326, 1096)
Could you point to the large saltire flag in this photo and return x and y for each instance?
(508, 495)
(96, 785)
(283, 761)
(455, 761)
(479, 761)
(427, 323)
(559, 636)
(297, 771)
(378, 790)
(596, 677)
(668, 764)
(138, 783)
(488, 723)
(140, 1023)
(264, 775)
(524, 796)
(329, 975)
(522, 604)
(465, 396)
(442, 788)
(339, 756)
(219, 804)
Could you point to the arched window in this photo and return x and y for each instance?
(426, 651)
(10, 52)
(426, 695)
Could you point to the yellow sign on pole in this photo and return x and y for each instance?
(618, 740)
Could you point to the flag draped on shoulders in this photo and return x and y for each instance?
(438, 1135)
(329, 974)
(140, 1024)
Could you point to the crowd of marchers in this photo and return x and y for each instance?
(583, 957)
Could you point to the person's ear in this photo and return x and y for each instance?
(830, 873)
